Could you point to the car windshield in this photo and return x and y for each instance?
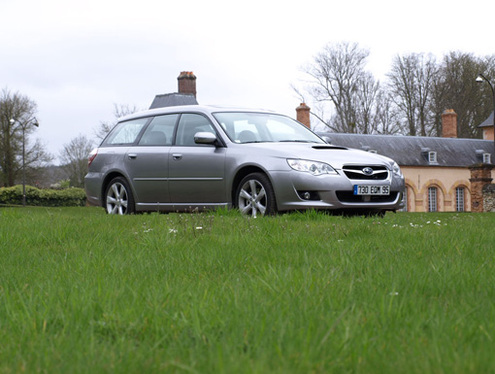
(243, 127)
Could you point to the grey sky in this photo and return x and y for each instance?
(76, 59)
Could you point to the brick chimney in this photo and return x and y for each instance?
(187, 83)
(449, 124)
(303, 114)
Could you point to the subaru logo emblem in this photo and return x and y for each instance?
(367, 171)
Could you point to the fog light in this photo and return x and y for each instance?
(309, 195)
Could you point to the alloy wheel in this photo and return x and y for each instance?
(117, 199)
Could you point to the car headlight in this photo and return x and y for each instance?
(312, 167)
(396, 170)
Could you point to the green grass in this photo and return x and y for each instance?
(84, 292)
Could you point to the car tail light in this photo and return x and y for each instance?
(92, 156)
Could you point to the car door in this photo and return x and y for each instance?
(147, 162)
(196, 171)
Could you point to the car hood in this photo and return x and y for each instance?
(334, 155)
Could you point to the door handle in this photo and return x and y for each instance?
(176, 156)
(132, 156)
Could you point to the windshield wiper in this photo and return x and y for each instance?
(257, 141)
(298, 141)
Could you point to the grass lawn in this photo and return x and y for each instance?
(84, 292)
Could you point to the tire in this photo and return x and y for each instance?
(255, 196)
(118, 197)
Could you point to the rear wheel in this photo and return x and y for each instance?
(255, 196)
(118, 197)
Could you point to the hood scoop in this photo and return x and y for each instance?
(333, 147)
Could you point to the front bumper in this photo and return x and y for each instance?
(298, 190)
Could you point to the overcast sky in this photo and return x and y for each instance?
(76, 59)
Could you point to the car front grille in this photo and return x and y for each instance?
(349, 197)
(365, 172)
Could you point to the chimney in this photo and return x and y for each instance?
(449, 124)
(187, 83)
(303, 115)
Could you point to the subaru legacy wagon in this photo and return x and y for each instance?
(260, 162)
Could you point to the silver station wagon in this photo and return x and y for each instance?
(204, 157)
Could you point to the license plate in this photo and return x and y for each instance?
(371, 190)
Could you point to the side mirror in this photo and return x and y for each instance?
(205, 138)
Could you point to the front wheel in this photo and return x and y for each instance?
(255, 195)
(118, 197)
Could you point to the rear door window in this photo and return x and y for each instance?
(160, 131)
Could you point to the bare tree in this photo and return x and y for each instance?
(348, 99)
(387, 116)
(339, 80)
(119, 110)
(457, 89)
(74, 159)
(336, 74)
(16, 128)
(411, 82)
(366, 104)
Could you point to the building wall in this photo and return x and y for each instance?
(446, 180)
(488, 133)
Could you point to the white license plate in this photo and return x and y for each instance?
(371, 190)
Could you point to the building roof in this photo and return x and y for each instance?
(488, 122)
(414, 150)
(173, 99)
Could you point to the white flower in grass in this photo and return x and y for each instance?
(172, 231)
(394, 293)
(199, 228)
(414, 225)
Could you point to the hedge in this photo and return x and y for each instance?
(43, 197)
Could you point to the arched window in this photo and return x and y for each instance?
(432, 199)
(459, 199)
(408, 198)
